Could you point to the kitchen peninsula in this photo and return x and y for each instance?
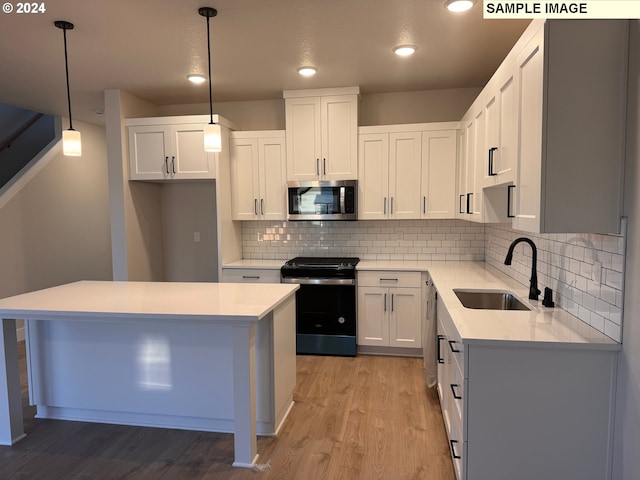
(197, 356)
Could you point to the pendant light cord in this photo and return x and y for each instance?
(209, 61)
(66, 67)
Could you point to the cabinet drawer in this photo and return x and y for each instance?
(250, 275)
(389, 279)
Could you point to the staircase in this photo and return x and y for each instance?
(23, 136)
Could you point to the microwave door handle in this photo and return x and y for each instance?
(343, 206)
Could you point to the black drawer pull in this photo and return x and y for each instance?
(453, 449)
(509, 199)
(451, 342)
(440, 359)
(453, 390)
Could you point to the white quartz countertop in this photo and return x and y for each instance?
(149, 300)
(541, 326)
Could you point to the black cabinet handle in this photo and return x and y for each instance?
(255, 206)
(166, 164)
(460, 209)
(469, 202)
(324, 166)
(392, 301)
(453, 449)
(451, 342)
(385, 302)
(440, 359)
(509, 196)
(318, 166)
(453, 390)
(262, 206)
(173, 164)
(251, 277)
(491, 151)
(424, 205)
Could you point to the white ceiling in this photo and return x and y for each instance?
(147, 47)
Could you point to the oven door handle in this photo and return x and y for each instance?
(319, 281)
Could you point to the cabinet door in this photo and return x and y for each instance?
(272, 164)
(405, 322)
(373, 322)
(491, 137)
(339, 122)
(303, 138)
(405, 152)
(476, 165)
(244, 178)
(438, 186)
(505, 158)
(189, 159)
(528, 182)
(373, 173)
(149, 152)
(462, 173)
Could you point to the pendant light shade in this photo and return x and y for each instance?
(212, 137)
(71, 143)
(212, 131)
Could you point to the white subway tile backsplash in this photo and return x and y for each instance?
(565, 261)
(566, 265)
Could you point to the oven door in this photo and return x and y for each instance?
(326, 319)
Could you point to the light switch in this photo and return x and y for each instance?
(196, 236)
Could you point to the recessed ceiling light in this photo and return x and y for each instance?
(405, 50)
(458, 5)
(196, 78)
(307, 71)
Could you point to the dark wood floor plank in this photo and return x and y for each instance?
(362, 418)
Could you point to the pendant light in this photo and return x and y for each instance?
(212, 131)
(71, 144)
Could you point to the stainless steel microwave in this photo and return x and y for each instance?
(322, 200)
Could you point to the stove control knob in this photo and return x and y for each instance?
(341, 320)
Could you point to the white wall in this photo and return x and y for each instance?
(627, 430)
(56, 228)
(135, 206)
(375, 109)
(188, 208)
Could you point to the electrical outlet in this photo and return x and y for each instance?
(596, 272)
(196, 236)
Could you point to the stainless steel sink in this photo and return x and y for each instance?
(490, 300)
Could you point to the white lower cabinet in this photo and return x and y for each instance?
(527, 412)
(390, 309)
(250, 275)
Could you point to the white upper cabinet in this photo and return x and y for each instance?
(322, 134)
(164, 152)
(407, 171)
(258, 184)
(405, 151)
(571, 125)
(497, 161)
(469, 168)
(170, 148)
(438, 183)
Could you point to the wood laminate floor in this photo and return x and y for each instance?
(366, 417)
